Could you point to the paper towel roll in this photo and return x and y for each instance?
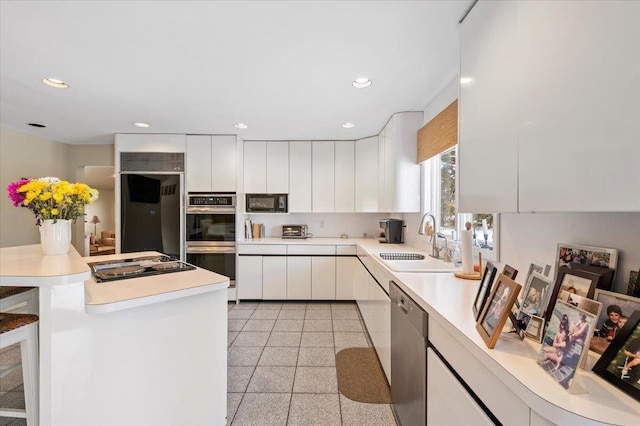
(467, 251)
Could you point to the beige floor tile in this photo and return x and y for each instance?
(317, 325)
(246, 305)
(261, 314)
(251, 338)
(343, 325)
(317, 339)
(318, 305)
(243, 356)
(240, 314)
(318, 314)
(348, 339)
(317, 357)
(270, 305)
(236, 324)
(294, 306)
(238, 378)
(288, 325)
(358, 413)
(343, 306)
(272, 379)
(315, 380)
(233, 401)
(259, 325)
(263, 409)
(231, 336)
(284, 338)
(278, 356)
(344, 314)
(291, 314)
(314, 410)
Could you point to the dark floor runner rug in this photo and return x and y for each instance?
(360, 376)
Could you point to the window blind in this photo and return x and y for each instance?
(439, 134)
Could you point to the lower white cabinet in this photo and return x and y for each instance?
(323, 277)
(249, 277)
(345, 278)
(448, 402)
(274, 277)
(299, 277)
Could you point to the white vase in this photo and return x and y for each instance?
(55, 238)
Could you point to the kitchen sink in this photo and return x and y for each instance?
(415, 262)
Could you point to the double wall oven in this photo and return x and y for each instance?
(211, 232)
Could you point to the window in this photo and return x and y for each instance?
(439, 197)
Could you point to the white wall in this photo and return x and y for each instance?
(323, 224)
(103, 207)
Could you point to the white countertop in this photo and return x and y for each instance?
(303, 241)
(449, 300)
(27, 266)
(123, 294)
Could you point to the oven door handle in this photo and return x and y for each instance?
(209, 210)
(211, 250)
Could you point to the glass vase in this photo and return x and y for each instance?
(55, 238)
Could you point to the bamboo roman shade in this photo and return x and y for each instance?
(439, 134)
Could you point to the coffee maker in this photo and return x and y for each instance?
(393, 231)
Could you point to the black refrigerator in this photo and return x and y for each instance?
(150, 213)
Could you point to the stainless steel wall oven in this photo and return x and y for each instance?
(211, 232)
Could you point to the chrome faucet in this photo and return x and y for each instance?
(422, 230)
(435, 250)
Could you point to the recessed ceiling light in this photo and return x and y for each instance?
(36, 125)
(465, 80)
(240, 125)
(348, 125)
(143, 125)
(361, 83)
(58, 84)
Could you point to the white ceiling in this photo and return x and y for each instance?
(285, 68)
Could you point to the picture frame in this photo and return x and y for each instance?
(580, 282)
(604, 332)
(596, 256)
(497, 309)
(605, 275)
(560, 355)
(534, 328)
(509, 272)
(539, 267)
(484, 289)
(614, 364)
(535, 297)
(633, 289)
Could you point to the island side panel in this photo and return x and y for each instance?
(160, 364)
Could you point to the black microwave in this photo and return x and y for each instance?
(266, 203)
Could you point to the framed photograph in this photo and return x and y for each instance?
(620, 363)
(509, 272)
(596, 256)
(496, 310)
(573, 281)
(535, 326)
(485, 289)
(561, 354)
(538, 267)
(616, 309)
(535, 297)
(633, 289)
(605, 275)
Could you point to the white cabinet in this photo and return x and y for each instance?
(548, 122)
(323, 172)
(249, 277)
(266, 167)
(323, 278)
(344, 176)
(211, 163)
(300, 177)
(488, 115)
(274, 277)
(299, 278)
(345, 278)
(148, 143)
(448, 402)
(366, 175)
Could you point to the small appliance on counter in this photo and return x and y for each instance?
(144, 266)
(295, 231)
(392, 231)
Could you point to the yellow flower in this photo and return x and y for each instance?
(54, 211)
(45, 196)
(58, 197)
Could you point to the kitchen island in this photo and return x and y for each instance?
(144, 351)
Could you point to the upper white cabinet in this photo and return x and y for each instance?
(323, 176)
(149, 143)
(398, 164)
(549, 120)
(266, 167)
(366, 176)
(211, 163)
(344, 176)
(300, 177)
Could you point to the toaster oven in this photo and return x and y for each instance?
(294, 231)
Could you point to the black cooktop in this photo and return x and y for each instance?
(136, 267)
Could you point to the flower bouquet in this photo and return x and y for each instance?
(55, 203)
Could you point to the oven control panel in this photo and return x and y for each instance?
(203, 200)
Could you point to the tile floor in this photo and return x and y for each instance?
(282, 368)
(11, 389)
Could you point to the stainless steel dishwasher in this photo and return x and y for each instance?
(408, 358)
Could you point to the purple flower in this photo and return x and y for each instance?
(16, 197)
